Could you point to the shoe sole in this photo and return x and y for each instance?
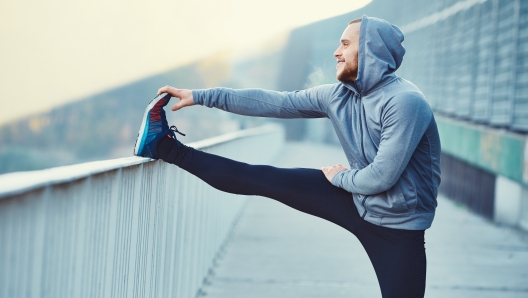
(143, 130)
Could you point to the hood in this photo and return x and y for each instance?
(380, 53)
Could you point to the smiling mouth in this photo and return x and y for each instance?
(339, 63)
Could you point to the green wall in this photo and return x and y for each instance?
(498, 151)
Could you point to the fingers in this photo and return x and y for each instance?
(331, 171)
(163, 89)
(185, 101)
(337, 166)
(170, 90)
(184, 95)
(334, 166)
(178, 106)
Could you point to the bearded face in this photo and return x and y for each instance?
(347, 54)
(347, 70)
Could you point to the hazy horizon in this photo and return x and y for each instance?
(57, 52)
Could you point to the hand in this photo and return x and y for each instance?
(185, 96)
(331, 171)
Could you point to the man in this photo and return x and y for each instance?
(388, 132)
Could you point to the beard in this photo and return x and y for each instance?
(348, 74)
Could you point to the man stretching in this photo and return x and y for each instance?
(388, 132)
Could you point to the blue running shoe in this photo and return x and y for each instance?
(154, 127)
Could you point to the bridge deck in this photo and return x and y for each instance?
(276, 251)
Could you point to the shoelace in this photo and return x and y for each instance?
(175, 129)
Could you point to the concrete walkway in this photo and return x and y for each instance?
(277, 252)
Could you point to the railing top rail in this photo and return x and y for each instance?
(21, 182)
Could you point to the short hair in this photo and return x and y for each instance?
(358, 20)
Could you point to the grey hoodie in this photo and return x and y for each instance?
(384, 124)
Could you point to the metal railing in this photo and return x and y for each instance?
(129, 227)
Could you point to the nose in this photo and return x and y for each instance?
(337, 52)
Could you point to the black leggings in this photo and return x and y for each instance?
(398, 256)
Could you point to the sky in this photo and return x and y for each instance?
(56, 51)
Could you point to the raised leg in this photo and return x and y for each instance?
(306, 190)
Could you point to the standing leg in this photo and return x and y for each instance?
(398, 257)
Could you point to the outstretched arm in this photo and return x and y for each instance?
(309, 103)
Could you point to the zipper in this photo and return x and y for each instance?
(358, 97)
(362, 132)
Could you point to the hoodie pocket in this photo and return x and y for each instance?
(389, 202)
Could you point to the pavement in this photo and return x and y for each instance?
(276, 251)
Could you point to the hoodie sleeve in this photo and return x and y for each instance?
(404, 122)
(309, 103)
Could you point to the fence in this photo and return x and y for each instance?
(128, 227)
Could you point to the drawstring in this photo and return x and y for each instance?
(175, 129)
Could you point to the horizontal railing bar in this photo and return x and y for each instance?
(20, 182)
(234, 135)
